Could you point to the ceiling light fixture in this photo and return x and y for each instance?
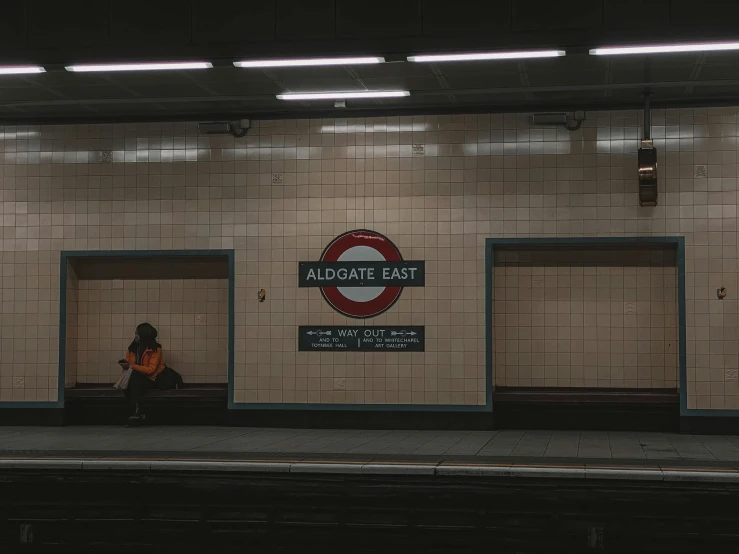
(665, 48)
(306, 62)
(482, 56)
(343, 95)
(153, 66)
(21, 69)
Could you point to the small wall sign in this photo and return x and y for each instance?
(361, 273)
(391, 338)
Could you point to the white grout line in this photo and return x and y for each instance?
(376, 468)
(630, 474)
(548, 472)
(40, 464)
(701, 476)
(474, 471)
(399, 469)
(317, 467)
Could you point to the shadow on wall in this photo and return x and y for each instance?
(184, 297)
(576, 316)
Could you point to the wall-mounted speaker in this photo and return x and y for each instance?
(647, 158)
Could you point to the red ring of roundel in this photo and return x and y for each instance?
(388, 297)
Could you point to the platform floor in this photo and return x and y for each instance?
(236, 442)
(440, 491)
(560, 449)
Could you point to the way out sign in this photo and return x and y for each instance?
(361, 274)
(361, 339)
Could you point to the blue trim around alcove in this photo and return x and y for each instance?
(65, 256)
(677, 242)
(231, 324)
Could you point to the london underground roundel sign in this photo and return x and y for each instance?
(361, 273)
(361, 246)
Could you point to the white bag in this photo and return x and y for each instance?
(122, 382)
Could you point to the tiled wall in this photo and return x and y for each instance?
(71, 376)
(560, 322)
(191, 316)
(437, 186)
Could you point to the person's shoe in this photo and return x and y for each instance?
(135, 421)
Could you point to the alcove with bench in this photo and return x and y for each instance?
(186, 295)
(586, 333)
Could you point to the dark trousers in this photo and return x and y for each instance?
(138, 387)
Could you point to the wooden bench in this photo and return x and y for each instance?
(194, 403)
(585, 395)
(189, 390)
(586, 408)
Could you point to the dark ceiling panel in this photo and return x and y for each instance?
(164, 91)
(379, 18)
(147, 22)
(227, 30)
(335, 82)
(534, 15)
(480, 77)
(210, 107)
(55, 79)
(411, 84)
(99, 91)
(719, 13)
(659, 69)
(670, 73)
(52, 23)
(25, 94)
(305, 19)
(481, 99)
(636, 14)
(583, 70)
(465, 17)
(719, 66)
(230, 75)
(718, 72)
(387, 70)
(65, 111)
(155, 78)
(420, 79)
(233, 21)
(244, 89)
(574, 100)
(623, 71)
(726, 91)
(127, 110)
(19, 81)
(13, 24)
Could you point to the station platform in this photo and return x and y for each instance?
(200, 489)
(544, 454)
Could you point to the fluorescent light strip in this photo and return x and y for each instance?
(21, 69)
(665, 48)
(155, 66)
(482, 56)
(343, 95)
(309, 62)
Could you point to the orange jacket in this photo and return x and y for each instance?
(152, 362)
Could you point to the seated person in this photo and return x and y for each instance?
(145, 357)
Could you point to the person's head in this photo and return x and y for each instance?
(146, 336)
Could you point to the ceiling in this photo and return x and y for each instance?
(76, 31)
